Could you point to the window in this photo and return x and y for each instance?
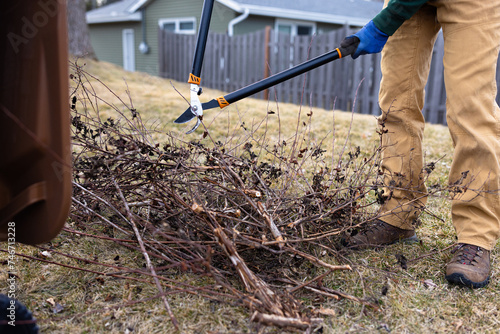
(185, 25)
(295, 28)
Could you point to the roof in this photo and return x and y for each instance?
(352, 12)
(120, 11)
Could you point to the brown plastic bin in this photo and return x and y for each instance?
(35, 153)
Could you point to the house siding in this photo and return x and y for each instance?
(169, 9)
(325, 28)
(253, 23)
(107, 40)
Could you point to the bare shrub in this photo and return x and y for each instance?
(247, 218)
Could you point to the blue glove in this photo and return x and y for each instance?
(370, 38)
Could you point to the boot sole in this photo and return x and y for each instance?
(460, 279)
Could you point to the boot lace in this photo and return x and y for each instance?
(467, 254)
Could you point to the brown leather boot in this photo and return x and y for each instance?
(378, 234)
(470, 266)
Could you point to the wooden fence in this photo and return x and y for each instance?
(231, 63)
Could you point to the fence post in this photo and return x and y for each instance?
(161, 53)
(267, 57)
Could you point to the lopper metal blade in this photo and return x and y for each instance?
(186, 116)
(189, 114)
(198, 122)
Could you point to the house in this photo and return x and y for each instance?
(126, 32)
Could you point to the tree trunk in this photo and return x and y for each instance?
(78, 31)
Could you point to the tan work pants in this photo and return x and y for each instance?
(471, 31)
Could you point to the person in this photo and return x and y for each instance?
(405, 32)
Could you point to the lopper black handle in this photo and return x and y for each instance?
(201, 41)
(259, 86)
(286, 74)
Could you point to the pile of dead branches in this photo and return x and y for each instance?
(242, 219)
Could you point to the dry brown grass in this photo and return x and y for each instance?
(406, 303)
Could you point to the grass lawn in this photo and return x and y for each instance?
(415, 299)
